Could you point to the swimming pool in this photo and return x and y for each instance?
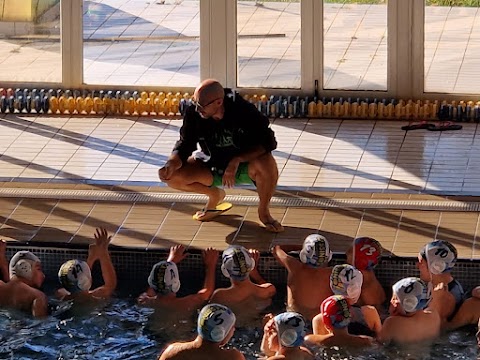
(119, 329)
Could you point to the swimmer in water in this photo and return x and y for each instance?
(304, 295)
(336, 315)
(22, 292)
(246, 298)
(76, 278)
(283, 337)
(347, 281)
(215, 327)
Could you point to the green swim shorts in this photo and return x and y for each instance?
(241, 177)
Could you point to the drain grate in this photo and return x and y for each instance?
(154, 197)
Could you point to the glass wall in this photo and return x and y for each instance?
(268, 43)
(138, 42)
(452, 47)
(355, 45)
(30, 49)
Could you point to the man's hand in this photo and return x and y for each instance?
(172, 165)
(228, 179)
(210, 257)
(177, 254)
(255, 255)
(102, 240)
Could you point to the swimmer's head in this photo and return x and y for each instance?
(290, 328)
(315, 251)
(335, 312)
(412, 294)
(365, 253)
(75, 276)
(164, 278)
(237, 263)
(26, 265)
(439, 255)
(346, 280)
(216, 323)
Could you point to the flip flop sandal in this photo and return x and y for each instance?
(447, 125)
(210, 214)
(270, 226)
(416, 126)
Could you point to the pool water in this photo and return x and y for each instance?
(119, 329)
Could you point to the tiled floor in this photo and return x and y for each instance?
(316, 158)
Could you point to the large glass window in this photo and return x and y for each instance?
(355, 44)
(138, 42)
(452, 46)
(268, 43)
(30, 48)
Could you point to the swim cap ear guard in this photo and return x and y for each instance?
(441, 256)
(413, 294)
(236, 263)
(75, 276)
(164, 278)
(21, 264)
(315, 250)
(346, 280)
(290, 328)
(215, 322)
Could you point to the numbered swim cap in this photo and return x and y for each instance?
(236, 263)
(413, 293)
(441, 256)
(164, 277)
(290, 328)
(22, 264)
(75, 275)
(366, 253)
(215, 322)
(346, 280)
(335, 312)
(315, 251)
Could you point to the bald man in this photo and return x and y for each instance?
(224, 141)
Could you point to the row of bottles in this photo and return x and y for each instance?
(169, 104)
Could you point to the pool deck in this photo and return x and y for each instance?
(61, 177)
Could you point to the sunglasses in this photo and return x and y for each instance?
(199, 106)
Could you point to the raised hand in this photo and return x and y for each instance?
(100, 247)
(177, 254)
(255, 255)
(3, 249)
(210, 256)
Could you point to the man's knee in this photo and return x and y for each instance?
(264, 164)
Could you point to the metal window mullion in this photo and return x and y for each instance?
(231, 60)
(72, 42)
(311, 53)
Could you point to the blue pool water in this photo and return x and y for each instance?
(122, 330)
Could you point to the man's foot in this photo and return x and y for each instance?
(215, 199)
(272, 225)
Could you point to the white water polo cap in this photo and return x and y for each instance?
(315, 250)
(164, 278)
(237, 263)
(22, 264)
(346, 280)
(413, 293)
(215, 322)
(290, 328)
(441, 256)
(75, 275)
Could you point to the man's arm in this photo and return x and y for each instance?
(385, 335)
(283, 258)
(268, 289)
(101, 253)
(210, 259)
(5, 276)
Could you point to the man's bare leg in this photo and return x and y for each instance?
(197, 178)
(264, 172)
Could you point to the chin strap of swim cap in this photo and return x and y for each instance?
(21, 264)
